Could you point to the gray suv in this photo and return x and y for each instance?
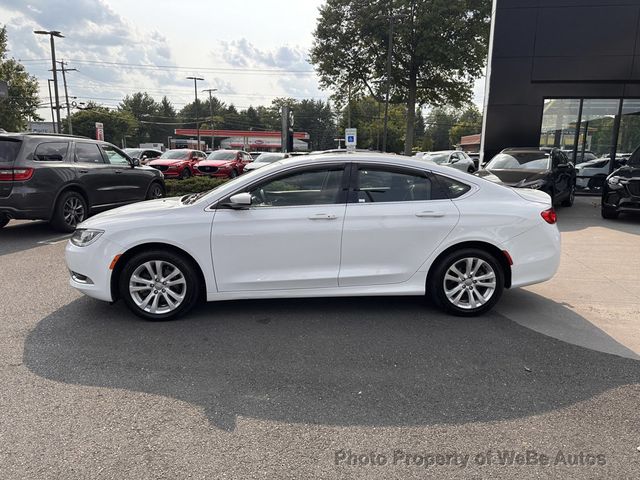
(64, 179)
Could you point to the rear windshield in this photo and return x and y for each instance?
(9, 149)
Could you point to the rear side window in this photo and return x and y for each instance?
(88, 153)
(382, 184)
(9, 150)
(51, 151)
(453, 188)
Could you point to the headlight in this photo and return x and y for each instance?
(537, 185)
(84, 236)
(614, 182)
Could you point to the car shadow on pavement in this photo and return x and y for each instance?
(351, 361)
(19, 236)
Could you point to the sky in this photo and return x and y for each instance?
(252, 51)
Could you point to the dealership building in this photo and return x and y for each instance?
(564, 73)
(248, 140)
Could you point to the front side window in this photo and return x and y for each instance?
(114, 156)
(309, 187)
(51, 152)
(88, 153)
(380, 184)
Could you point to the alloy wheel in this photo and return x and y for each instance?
(73, 211)
(470, 283)
(158, 287)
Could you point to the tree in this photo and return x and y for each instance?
(22, 102)
(468, 123)
(144, 109)
(439, 123)
(118, 124)
(440, 47)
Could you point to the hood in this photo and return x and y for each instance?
(214, 163)
(628, 171)
(167, 161)
(132, 212)
(513, 178)
(254, 165)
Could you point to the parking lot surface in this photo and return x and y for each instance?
(325, 388)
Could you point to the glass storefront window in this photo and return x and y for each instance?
(629, 135)
(559, 123)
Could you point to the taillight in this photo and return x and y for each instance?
(550, 216)
(15, 174)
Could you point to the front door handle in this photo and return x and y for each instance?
(83, 171)
(430, 214)
(323, 216)
(118, 171)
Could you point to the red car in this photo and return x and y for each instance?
(178, 163)
(224, 163)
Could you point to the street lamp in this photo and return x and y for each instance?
(53, 33)
(211, 90)
(195, 88)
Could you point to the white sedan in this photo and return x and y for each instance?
(340, 225)
(449, 158)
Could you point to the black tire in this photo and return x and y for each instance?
(471, 169)
(609, 213)
(568, 202)
(233, 174)
(4, 220)
(186, 173)
(436, 282)
(191, 292)
(70, 210)
(155, 191)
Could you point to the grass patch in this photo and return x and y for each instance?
(177, 188)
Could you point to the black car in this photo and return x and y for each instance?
(621, 190)
(547, 170)
(64, 179)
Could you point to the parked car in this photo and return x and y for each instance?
(591, 175)
(64, 179)
(178, 163)
(255, 155)
(336, 225)
(224, 163)
(581, 157)
(547, 170)
(450, 158)
(475, 158)
(145, 155)
(621, 190)
(265, 159)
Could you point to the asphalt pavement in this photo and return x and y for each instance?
(378, 388)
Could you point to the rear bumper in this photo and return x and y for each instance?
(25, 203)
(535, 254)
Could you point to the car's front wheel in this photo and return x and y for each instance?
(186, 173)
(159, 285)
(70, 210)
(467, 282)
(568, 202)
(609, 213)
(3, 220)
(155, 191)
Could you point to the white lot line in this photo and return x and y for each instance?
(53, 241)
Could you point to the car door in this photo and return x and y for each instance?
(94, 174)
(128, 184)
(289, 238)
(395, 219)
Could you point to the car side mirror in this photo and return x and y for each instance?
(453, 160)
(135, 162)
(239, 201)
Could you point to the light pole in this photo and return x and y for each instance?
(54, 33)
(386, 100)
(213, 137)
(53, 115)
(195, 88)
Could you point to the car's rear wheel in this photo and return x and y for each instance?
(609, 213)
(568, 202)
(3, 220)
(159, 285)
(467, 282)
(70, 210)
(155, 191)
(186, 173)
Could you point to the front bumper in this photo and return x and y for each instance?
(89, 267)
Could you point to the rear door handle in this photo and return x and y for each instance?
(118, 171)
(323, 216)
(430, 214)
(83, 171)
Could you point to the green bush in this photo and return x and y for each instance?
(177, 188)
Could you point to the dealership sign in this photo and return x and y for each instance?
(99, 131)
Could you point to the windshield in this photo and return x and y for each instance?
(174, 154)
(437, 157)
(222, 155)
(269, 157)
(520, 161)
